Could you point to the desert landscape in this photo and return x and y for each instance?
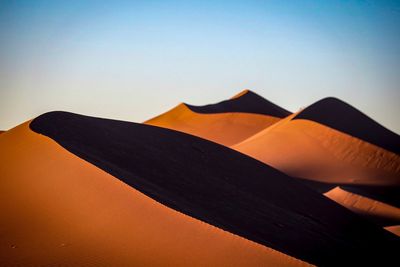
(242, 182)
(203, 133)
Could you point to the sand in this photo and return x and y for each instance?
(310, 150)
(224, 128)
(381, 213)
(58, 209)
(395, 229)
(227, 122)
(221, 187)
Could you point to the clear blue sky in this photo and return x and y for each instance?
(131, 60)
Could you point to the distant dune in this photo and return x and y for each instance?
(377, 211)
(394, 229)
(227, 122)
(332, 143)
(310, 148)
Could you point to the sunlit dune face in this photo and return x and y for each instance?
(223, 128)
(309, 150)
(58, 209)
(378, 211)
(242, 93)
(394, 229)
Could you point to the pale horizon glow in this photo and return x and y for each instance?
(132, 60)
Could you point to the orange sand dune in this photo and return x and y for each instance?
(395, 229)
(223, 128)
(226, 128)
(59, 210)
(376, 210)
(238, 95)
(306, 149)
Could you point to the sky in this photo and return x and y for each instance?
(132, 60)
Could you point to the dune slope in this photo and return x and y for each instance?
(332, 144)
(339, 115)
(312, 150)
(227, 122)
(59, 210)
(216, 185)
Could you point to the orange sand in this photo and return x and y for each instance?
(363, 205)
(59, 210)
(224, 128)
(245, 91)
(394, 229)
(309, 150)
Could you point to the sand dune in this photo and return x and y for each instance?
(221, 187)
(311, 149)
(334, 144)
(227, 122)
(395, 229)
(59, 210)
(377, 211)
(83, 191)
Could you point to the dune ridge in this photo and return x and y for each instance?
(343, 117)
(244, 102)
(227, 122)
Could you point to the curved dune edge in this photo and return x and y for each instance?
(242, 93)
(343, 117)
(309, 150)
(395, 229)
(59, 209)
(244, 102)
(224, 128)
(377, 210)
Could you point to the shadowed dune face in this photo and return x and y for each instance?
(244, 102)
(227, 122)
(221, 187)
(58, 209)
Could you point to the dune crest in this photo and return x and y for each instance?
(245, 91)
(394, 229)
(227, 122)
(345, 118)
